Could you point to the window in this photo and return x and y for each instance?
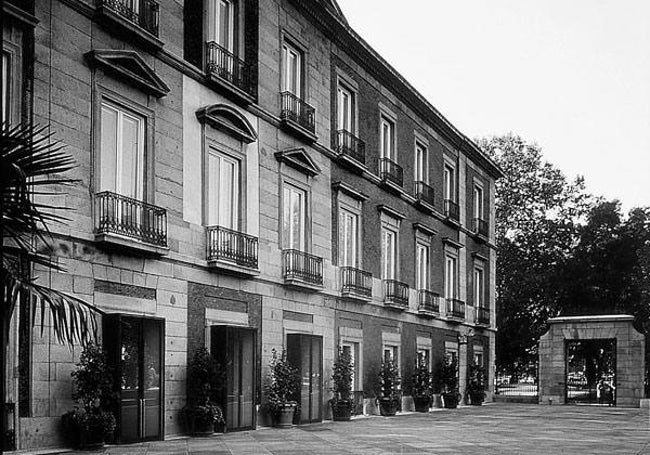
(451, 277)
(122, 152)
(478, 202)
(221, 23)
(387, 138)
(6, 92)
(294, 218)
(449, 183)
(421, 163)
(223, 190)
(291, 70)
(389, 253)
(348, 235)
(346, 109)
(352, 348)
(421, 267)
(478, 358)
(479, 290)
(391, 352)
(424, 358)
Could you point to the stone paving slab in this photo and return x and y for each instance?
(496, 428)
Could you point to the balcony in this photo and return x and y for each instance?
(396, 295)
(482, 316)
(391, 172)
(424, 194)
(452, 211)
(298, 116)
(351, 147)
(356, 283)
(140, 18)
(480, 227)
(130, 223)
(226, 69)
(302, 269)
(455, 309)
(232, 251)
(428, 303)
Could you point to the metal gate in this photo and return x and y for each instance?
(590, 371)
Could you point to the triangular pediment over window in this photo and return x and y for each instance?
(229, 120)
(130, 65)
(299, 160)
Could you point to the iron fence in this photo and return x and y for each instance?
(390, 171)
(224, 64)
(350, 145)
(356, 281)
(232, 246)
(303, 266)
(144, 13)
(296, 110)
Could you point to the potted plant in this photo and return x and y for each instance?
(201, 413)
(342, 378)
(476, 384)
(449, 382)
(282, 389)
(389, 379)
(422, 387)
(91, 422)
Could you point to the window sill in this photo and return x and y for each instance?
(391, 186)
(299, 283)
(109, 18)
(428, 313)
(424, 206)
(351, 294)
(454, 319)
(351, 163)
(393, 305)
(298, 130)
(452, 222)
(232, 268)
(129, 243)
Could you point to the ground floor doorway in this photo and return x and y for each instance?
(234, 350)
(305, 352)
(136, 351)
(591, 371)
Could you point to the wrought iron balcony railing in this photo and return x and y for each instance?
(455, 308)
(452, 211)
(356, 281)
(227, 66)
(117, 214)
(143, 13)
(482, 316)
(428, 301)
(296, 110)
(390, 171)
(480, 227)
(298, 265)
(424, 193)
(227, 245)
(350, 145)
(397, 294)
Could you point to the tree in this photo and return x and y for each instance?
(538, 211)
(31, 164)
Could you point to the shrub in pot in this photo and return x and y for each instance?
(422, 387)
(449, 382)
(342, 379)
(476, 384)
(91, 422)
(204, 380)
(389, 380)
(282, 389)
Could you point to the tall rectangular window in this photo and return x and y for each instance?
(424, 358)
(346, 109)
(348, 238)
(122, 152)
(389, 253)
(223, 190)
(421, 163)
(387, 138)
(294, 218)
(449, 183)
(352, 349)
(451, 277)
(391, 352)
(221, 23)
(422, 267)
(291, 70)
(478, 202)
(479, 287)
(6, 91)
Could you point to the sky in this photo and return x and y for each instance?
(571, 75)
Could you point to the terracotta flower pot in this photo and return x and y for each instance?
(341, 410)
(284, 415)
(422, 403)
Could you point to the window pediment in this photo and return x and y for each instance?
(299, 160)
(130, 65)
(228, 120)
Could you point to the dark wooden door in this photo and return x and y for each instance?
(136, 352)
(234, 350)
(305, 352)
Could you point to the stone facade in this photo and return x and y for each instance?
(630, 355)
(71, 57)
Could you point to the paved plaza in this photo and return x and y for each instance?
(498, 428)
